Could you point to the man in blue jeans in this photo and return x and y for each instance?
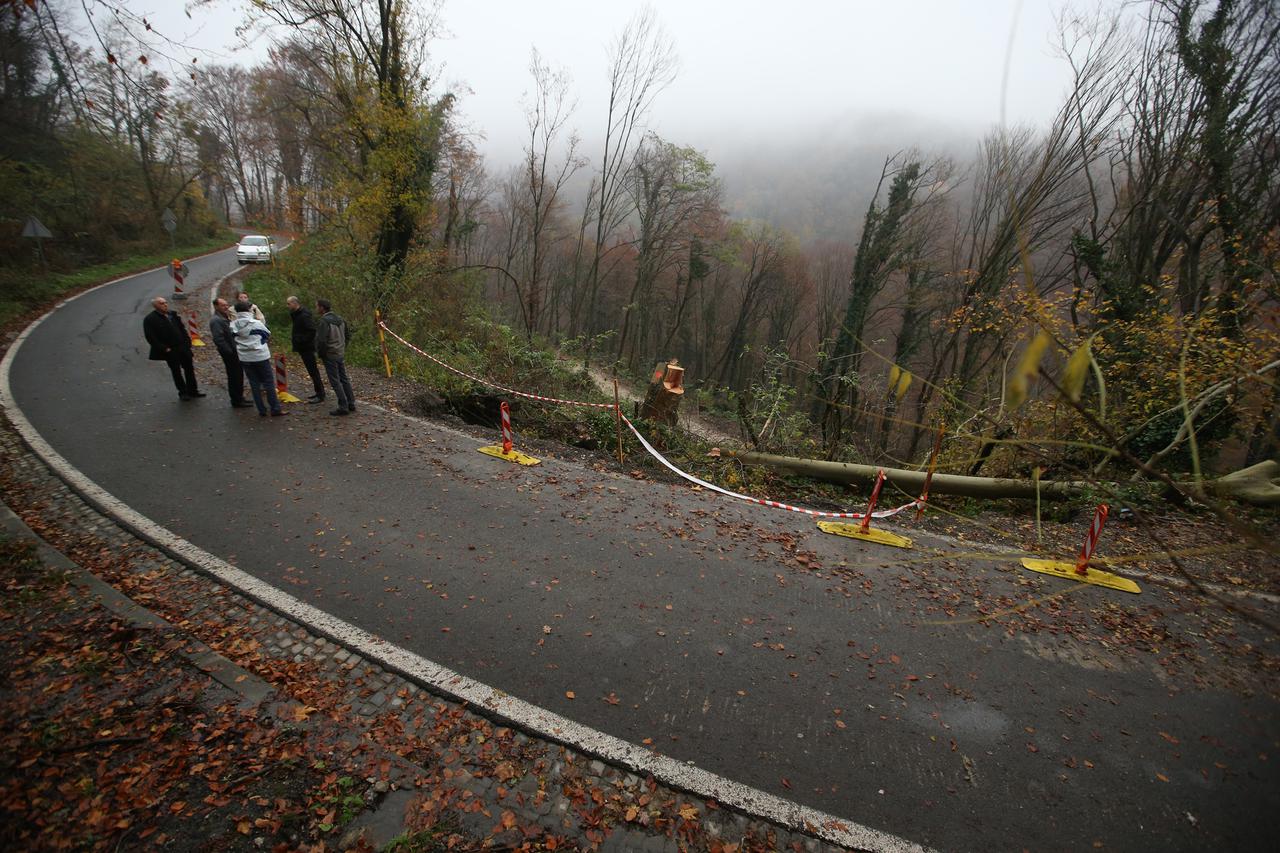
(251, 336)
(331, 347)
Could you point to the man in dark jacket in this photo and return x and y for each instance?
(331, 346)
(170, 343)
(220, 329)
(304, 344)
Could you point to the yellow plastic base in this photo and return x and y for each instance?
(495, 450)
(1067, 571)
(196, 342)
(854, 531)
(286, 397)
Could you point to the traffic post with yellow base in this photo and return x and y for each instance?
(864, 531)
(506, 451)
(193, 330)
(282, 382)
(1080, 570)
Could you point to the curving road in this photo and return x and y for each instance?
(678, 617)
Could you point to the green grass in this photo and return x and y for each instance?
(22, 292)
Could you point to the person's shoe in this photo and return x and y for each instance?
(338, 412)
(262, 414)
(278, 414)
(352, 408)
(241, 404)
(185, 397)
(314, 399)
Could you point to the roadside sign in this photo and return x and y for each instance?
(35, 228)
(169, 220)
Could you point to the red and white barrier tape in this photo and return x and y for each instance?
(494, 385)
(884, 513)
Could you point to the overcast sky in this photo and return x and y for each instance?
(750, 70)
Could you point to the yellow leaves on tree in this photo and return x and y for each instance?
(1073, 375)
(1027, 368)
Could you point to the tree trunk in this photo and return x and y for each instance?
(662, 400)
(1259, 484)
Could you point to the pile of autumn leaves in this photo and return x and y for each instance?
(110, 739)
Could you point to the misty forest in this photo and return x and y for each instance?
(1094, 298)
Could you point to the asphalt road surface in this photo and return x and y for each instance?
(729, 635)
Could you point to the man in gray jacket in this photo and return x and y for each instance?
(220, 328)
(331, 347)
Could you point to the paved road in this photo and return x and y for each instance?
(862, 690)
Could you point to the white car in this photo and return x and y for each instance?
(256, 249)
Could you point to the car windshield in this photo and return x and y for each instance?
(254, 241)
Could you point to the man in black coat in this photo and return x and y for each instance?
(304, 344)
(170, 343)
(220, 328)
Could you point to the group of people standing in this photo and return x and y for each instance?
(241, 336)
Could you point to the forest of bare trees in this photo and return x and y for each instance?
(1137, 231)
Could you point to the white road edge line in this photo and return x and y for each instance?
(493, 702)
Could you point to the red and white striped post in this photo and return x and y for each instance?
(928, 478)
(282, 375)
(193, 329)
(875, 496)
(1091, 541)
(506, 427)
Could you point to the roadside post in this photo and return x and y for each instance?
(170, 223)
(933, 466)
(34, 229)
(864, 531)
(1080, 570)
(506, 451)
(178, 272)
(382, 341)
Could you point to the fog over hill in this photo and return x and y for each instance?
(813, 181)
(816, 182)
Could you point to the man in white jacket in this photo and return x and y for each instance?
(251, 337)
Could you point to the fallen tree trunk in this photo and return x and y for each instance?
(911, 482)
(1259, 484)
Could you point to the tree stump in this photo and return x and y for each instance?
(666, 388)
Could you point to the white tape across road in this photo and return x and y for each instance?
(883, 513)
(488, 384)
(494, 702)
(880, 513)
